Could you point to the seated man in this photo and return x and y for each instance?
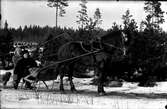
(21, 69)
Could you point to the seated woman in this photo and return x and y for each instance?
(17, 55)
(21, 69)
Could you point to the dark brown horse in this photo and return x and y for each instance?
(112, 44)
(68, 51)
(49, 70)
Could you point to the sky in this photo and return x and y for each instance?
(28, 12)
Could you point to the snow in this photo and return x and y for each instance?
(4, 71)
(129, 96)
(79, 101)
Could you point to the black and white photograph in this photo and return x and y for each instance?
(83, 54)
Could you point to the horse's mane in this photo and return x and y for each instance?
(112, 37)
(84, 47)
(70, 49)
(112, 41)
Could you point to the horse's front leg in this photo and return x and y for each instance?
(73, 89)
(61, 82)
(101, 79)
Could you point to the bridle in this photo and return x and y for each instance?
(123, 37)
(113, 46)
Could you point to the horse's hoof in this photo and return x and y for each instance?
(61, 89)
(102, 93)
(62, 92)
(37, 97)
(74, 91)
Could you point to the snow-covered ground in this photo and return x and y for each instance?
(129, 96)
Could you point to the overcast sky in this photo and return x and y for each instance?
(28, 12)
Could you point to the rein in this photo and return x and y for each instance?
(52, 39)
(70, 59)
(113, 46)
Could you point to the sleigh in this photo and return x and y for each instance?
(50, 72)
(70, 53)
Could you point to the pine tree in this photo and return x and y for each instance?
(115, 27)
(83, 18)
(129, 23)
(97, 17)
(59, 5)
(155, 15)
(93, 23)
(126, 19)
(129, 27)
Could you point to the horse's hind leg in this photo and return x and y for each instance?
(101, 89)
(61, 70)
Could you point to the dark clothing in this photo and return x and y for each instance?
(5, 78)
(21, 70)
(24, 64)
(15, 59)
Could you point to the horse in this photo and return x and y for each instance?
(71, 50)
(49, 70)
(112, 44)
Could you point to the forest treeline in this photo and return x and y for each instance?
(146, 44)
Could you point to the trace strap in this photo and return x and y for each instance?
(73, 58)
(111, 45)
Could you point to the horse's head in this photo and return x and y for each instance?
(114, 41)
